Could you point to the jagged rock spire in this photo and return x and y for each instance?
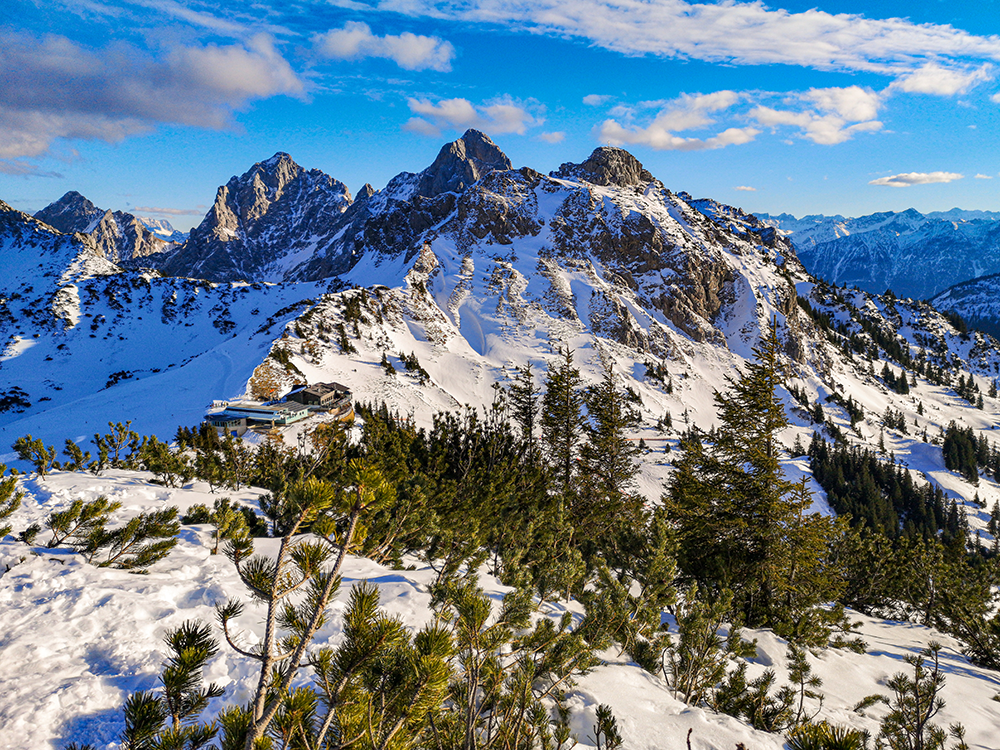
(462, 163)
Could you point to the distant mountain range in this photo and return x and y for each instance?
(163, 229)
(916, 255)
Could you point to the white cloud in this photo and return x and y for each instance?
(984, 177)
(55, 88)
(23, 168)
(832, 116)
(503, 116)
(421, 127)
(853, 103)
(410, 51)
(662, 140)
(556, 137)
(687, 112)
(932, 78)
(745, 189)
(732, 32)
(193, 17)
(995, 98)
(916, 178)
(595, 100)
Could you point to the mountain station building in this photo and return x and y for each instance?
(327, 395)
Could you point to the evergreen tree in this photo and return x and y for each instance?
(82, 524)
(914, 703)
(77, 458)
(561, 421)
(34, 451)
(523, 398)
(607, 502)
(741, 523)
(170, 720)
(333, 518)
(10, 499)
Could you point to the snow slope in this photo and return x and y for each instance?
(77, 640)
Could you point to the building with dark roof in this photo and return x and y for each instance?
(326, 395)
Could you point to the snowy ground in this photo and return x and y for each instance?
(77, 640)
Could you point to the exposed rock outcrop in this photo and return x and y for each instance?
(607, 165)
(262, 223)
(118, 236)
(460, 164)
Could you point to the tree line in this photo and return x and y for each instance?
(541, 489)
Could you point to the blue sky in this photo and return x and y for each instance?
(842, 107)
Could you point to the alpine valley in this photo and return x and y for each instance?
(443, 292)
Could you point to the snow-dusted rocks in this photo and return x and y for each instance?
(607, 166)
(71, 213)
(118, 236)
(263, 223)
(163, 229)
(460, 164)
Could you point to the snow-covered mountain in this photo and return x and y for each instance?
(976, 301)
(916, 255)
(118, 236)
(469, 267)
(73, 326)
(163, 229)
(262, 224)
(471, 264)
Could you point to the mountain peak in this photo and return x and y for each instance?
(71, 213)
(462, 163)
(608, 165)
(279, 158)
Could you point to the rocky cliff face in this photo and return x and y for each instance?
(42, 270)
(607, 166)
(71, 213)
(460, 164)
(163, 229)
(389, 222)
(263, 223)
(605, 225)
(118, 236)
(607, 220)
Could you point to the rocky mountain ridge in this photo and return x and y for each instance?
(599, 256)
(262, 223)
(163, 229)
(119, 237)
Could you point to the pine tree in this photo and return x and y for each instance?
(561, 421)
(169, 720)
(10, 499)
(607, 502)
(333, 518)
(523, 398)
(34, 450)
(119, 446)
(741, 523)
(81, 525)
(77, 458)
(914, 703)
